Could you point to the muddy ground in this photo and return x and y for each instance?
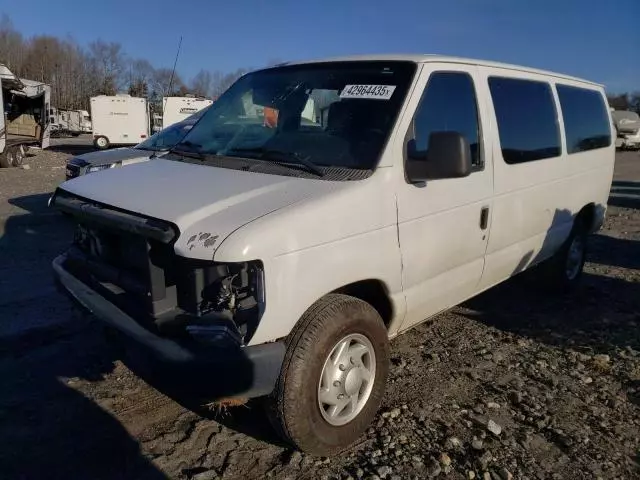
(513, 384)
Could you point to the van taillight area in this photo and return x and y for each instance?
(129, 260)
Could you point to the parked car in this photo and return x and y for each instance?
(158, 143)
(277, 257)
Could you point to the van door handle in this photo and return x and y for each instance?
(484, 218)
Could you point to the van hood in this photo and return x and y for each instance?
(205, 203)
(107, 157)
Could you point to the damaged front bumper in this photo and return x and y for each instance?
(220, 372)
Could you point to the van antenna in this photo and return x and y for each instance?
(173, 72)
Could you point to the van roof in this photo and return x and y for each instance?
(426, 58)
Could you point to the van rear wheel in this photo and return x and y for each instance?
(564, 269)
(333, 376)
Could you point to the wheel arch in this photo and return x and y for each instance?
(375, 293)
(588, 217)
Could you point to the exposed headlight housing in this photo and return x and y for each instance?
(97, 168)
(231, 301)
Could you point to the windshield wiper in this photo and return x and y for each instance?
(188, 149)
(269, 154)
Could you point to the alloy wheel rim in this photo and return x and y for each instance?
(347, 379)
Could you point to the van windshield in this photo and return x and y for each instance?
(168, 137)
(336, 114)
(165, 139)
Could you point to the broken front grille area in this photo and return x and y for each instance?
(125, 257)
(130, 260)
(127, 269)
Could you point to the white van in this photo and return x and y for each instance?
(277, 260)
(119, 120)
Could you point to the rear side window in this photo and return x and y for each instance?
(586, 120)
(448, 105)
(527, 119)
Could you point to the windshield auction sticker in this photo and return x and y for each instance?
(375, 92)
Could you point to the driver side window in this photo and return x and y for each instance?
(449, 104)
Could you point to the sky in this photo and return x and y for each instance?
(594, 39)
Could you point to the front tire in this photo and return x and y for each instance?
(333, 376)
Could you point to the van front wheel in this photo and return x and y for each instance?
(333, 376)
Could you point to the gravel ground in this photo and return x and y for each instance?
(513, 384)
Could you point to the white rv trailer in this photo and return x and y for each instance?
(85, 121)
(24, 121)
(119, 120)
(627, 125)
(69, 122)
(177, 109)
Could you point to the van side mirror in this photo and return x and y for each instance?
(448, 156)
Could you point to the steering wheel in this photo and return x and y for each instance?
(231, 143)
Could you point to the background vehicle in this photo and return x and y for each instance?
(156, 125)
(176, 109)
(85, 121)
(277, 256)
(156, 144)
(69, 122)
(627, 125)
(119, 120)
(24, 121)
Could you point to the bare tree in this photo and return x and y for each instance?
(140, 76)
(221, 82)
(76, 73)
(619, 102)
(166, 83)
(108, 60)
(201, 83)
(43, 59)
(11, 45)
